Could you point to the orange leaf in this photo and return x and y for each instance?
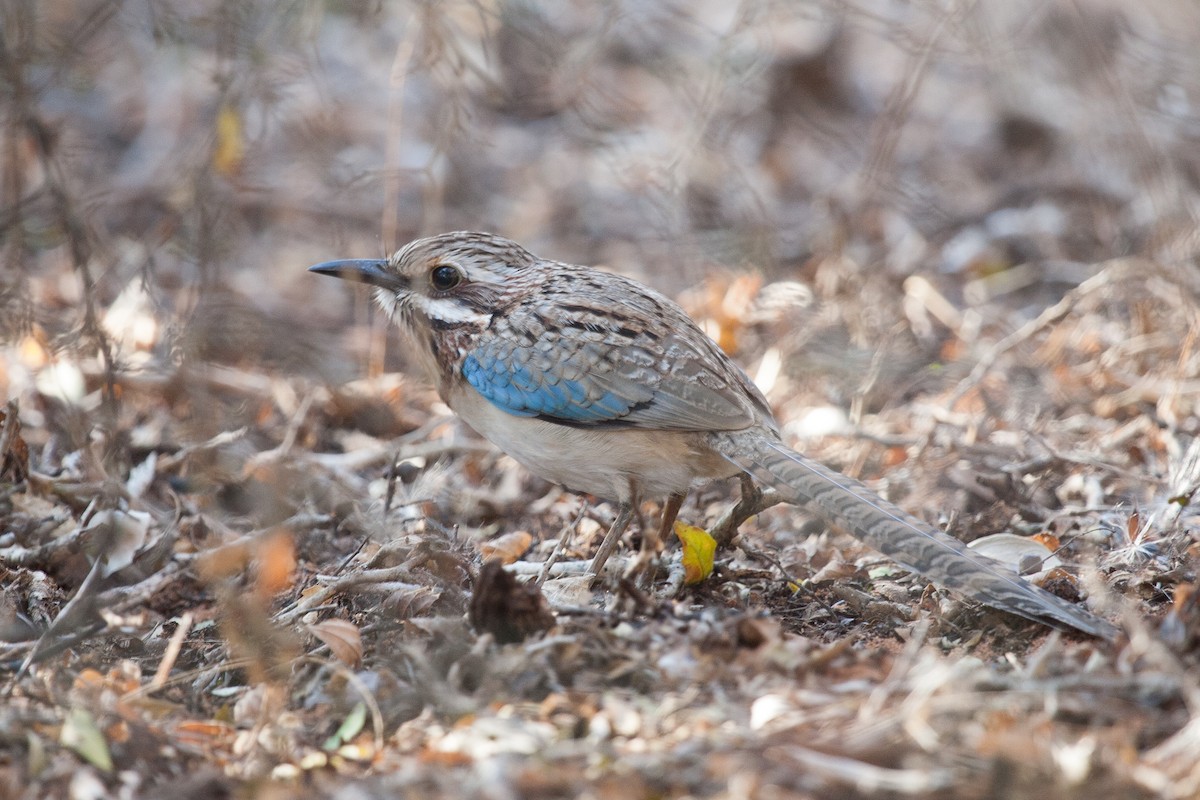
(276, 562)
(507, 548)
(894, 456)
(1048, 540)
(203, 734)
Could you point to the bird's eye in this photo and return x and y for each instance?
(445, 277)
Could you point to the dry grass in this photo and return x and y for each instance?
(241, 549)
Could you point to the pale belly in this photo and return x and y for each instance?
(603, 462)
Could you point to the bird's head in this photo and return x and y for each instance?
(443, 282)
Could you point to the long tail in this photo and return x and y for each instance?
(900, 536)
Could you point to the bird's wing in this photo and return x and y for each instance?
(606, 374)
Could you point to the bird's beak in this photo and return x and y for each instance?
(362, 270)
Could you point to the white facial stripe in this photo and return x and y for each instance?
(448, 309)
(387, 301)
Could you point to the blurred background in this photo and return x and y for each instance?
(855, 199)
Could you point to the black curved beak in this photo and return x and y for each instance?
(371, 271)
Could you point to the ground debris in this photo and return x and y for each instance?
(246, 551)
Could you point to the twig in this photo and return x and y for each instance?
(394, 577)
(169, 462)
(364, 457)
(564, 536)
(869, 779)
(285, 445)
(171, 654)
(563, 569)
(753, 501)
(676, 575)
(1054, 313)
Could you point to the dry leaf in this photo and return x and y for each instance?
(80, 733)
(507, 548)
(699, 548)
(202, 734)
(222, 562)
(1060, 582)
(509, 610)
(123, 535)
(343, 639)
(1048, 540)
(230, 150)
(411, 601)
(1024, 554)
(276, 562)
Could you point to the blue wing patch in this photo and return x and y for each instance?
(520, 391)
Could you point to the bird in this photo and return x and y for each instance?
(596, 382)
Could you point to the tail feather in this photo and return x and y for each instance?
(900, 536)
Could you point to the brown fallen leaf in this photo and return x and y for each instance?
(1060, 582)
(343, 639)
(509, 610)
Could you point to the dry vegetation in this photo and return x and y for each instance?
(241, 550)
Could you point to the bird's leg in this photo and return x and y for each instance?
(624, 514)
(753, 501)
(650, 542)
(667, 522)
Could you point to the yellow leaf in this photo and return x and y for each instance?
(229, 151)
(698, 551)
